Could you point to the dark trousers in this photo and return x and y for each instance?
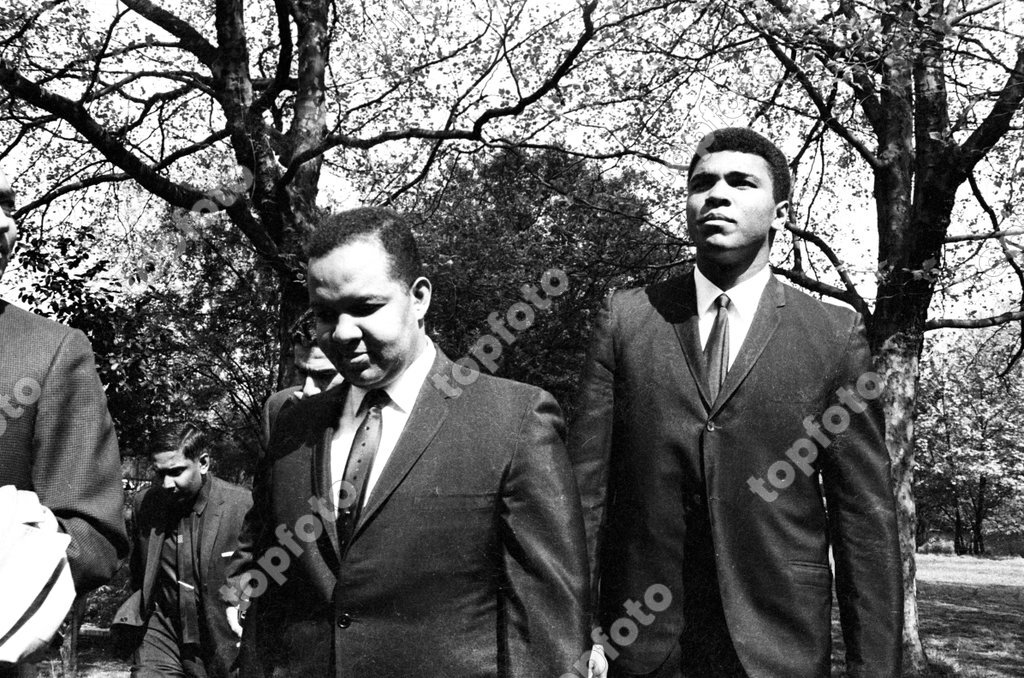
(161, 653)
(705, 649)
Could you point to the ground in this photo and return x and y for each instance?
(972, 620)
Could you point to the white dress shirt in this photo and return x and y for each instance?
(394, 415)
(743, 301)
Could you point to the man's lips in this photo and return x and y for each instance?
(716, 218)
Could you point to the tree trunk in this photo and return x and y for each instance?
(69, 648)
(898, 364)
(959, 547)
(294, 302)
(977, 540)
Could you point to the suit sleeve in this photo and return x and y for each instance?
(862, 521)
(590, 438)
(137, 562)
(76, 466)
(251, 540)
(544, 551)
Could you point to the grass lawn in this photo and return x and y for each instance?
(971, 609)
(972, 613)
(972, 616)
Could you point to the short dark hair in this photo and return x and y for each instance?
(186, 438)
(303, 330)
(389, 227)
(746, 140)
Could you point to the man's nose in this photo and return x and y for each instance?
(347, 330)
(168, 483)
(309, 387)
(718, 194)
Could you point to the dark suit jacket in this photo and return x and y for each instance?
(59, 441)
(218, 542)
(468, 560)
(644, 431)
(273, 406)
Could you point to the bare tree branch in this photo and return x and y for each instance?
(474, 134)
(973, 323)
(997, 122)
(190, 38)
(111, 148)
(984, 236)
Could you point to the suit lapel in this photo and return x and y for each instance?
(428, 413)
(321, 460)
(766, 320)
(154, 545)
(211, 525)
(684, 321)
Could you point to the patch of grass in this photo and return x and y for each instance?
(972, 617)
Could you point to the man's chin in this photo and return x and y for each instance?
(366, 378)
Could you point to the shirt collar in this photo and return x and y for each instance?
(203, 496)
(403, 390)
(743, 298)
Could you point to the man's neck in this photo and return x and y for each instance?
(726, 277)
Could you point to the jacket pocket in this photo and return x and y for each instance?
(811, 574)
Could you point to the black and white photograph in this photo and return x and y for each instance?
(511, 339)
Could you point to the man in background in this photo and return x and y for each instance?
(186, 529)
(314, 373)
(56, 436)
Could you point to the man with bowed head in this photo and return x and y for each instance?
(399, 528)
(698, 389)
(186, 528)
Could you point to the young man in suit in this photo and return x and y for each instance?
(402, 528)
(186, 529)
(729, 433)
(56, 436)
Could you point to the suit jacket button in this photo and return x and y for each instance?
(344, 620)
(711, 425)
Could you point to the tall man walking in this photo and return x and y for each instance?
(729, 433)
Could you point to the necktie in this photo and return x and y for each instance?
(716, 351)
(360, 461)
(188, 605)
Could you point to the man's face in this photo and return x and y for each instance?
(179, 476)
(8, 227)
(315, 370)
(367, 323)
(730, 210)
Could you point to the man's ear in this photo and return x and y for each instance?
(204, 462)
(421, 291)
(781, 216)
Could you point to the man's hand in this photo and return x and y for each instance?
(598, 665)
(22, 506)
(233, 620)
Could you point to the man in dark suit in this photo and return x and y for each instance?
(314, 373)
(56, 436)
(721, 412)
(401, 529)
(187, 526)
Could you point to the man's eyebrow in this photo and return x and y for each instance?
(740, 174)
